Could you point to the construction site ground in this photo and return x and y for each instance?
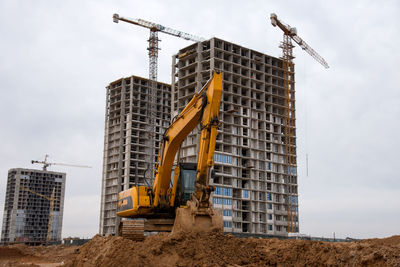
(212, 249)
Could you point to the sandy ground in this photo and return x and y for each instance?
(213, 249)
(21, 255)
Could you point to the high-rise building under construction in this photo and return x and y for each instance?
(33, 209)
(256, 188)
(126, 140)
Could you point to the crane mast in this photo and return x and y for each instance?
(289, 34)
(153, 70)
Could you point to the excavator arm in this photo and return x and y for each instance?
(203, 108)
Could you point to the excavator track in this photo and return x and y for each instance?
(132, 229)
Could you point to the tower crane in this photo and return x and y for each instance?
(289, 34)
(153, 58)
(51, 200)
(48, 164)
(153, 40)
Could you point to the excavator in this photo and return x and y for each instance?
(179, 199)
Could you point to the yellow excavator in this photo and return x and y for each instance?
(179, 199)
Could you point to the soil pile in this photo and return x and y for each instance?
(217, 249)
(22, 255)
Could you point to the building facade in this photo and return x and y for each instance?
(126, 140)
(256, 188)
(34, 203)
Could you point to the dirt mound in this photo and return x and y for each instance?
(11, 252)
(217, 249)
(22, 255)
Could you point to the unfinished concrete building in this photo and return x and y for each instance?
(125, 140)
(255, 187)
(30, 210)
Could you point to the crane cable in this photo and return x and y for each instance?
(305, 115)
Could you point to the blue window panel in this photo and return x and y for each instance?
(269, 206)
(218, 191)
(227, 224)
(217, 200)
(269, 196)
(223, 191)
(293, 199)
(222, 158)
(228, 192)
(268, 166)
(227, 212)
(227, 201)
(245, 194)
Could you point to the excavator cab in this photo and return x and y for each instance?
(187, 178)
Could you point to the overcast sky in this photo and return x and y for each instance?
(56, 57)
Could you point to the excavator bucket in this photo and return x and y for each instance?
(190, 219)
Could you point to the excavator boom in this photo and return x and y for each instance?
(204, 109)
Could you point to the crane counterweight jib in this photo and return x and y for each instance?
(115, 18)
(273, 18)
